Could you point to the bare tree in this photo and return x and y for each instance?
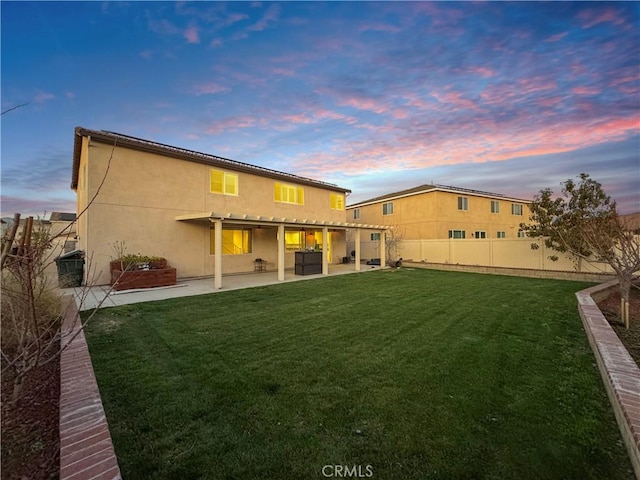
(393, 239)
(32, 309)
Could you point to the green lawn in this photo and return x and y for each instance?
(414, 373)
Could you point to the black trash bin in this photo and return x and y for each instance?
(70, 269)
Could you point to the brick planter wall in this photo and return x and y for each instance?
(86, 450)
(620, 373)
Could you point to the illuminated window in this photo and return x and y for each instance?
(356, 213)
(463, 203)
(224, 183)
(293, 241)
(501, 235)
(234, 242)
(288, 194)
(495, 206)
(337, 201)
(387, 208)
(457, 234)
(516, 209)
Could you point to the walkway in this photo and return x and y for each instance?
(92, 297)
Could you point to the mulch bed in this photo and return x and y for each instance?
(30, 433)
(610, 308)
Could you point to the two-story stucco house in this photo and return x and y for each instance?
(442, 212)
(205, 214)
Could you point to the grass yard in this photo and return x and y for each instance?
(405, 373)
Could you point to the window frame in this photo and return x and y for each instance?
(515, 207)
(480, 234)
(385, 208)
(336, 201)
(463, 204)
(248, 241)
(501, 234)
(356, 214)
(462, 234)
(495, 206)
(375, 237)
(297, 192)
(225, 177)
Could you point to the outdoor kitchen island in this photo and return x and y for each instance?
(308, 263)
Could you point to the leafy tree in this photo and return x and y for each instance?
(584, 223)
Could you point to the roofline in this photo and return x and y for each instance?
(118, 139)
(435, 188)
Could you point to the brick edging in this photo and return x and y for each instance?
(619, 372)
(86, 450)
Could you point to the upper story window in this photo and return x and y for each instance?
(387, 208)
(495, 206)
(463, 203)
(356, 213)
(516, 209)
(224, 183)
(288, 193)
(337, 201)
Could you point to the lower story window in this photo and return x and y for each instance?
(501, 234)
(375, 236)
(234, 242)
(522, 234)
(457, 234)
(480, 234)
(293, 241)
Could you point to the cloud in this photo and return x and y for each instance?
(557, 37)
(191, 35)
(209, 88)
(162, 27)
(592, 17)
(269, 17)
(146, 54)
(35, 207)
(42, 97)
(231, 123)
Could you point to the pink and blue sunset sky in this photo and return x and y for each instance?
(375, 97)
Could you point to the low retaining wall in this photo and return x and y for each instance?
(86, 450)
(620, 373)
(517, 272)
(157, 277)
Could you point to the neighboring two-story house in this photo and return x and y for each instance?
(427, 218)
(441, 212)
(206, 215)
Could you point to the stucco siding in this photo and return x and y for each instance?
(143, 193)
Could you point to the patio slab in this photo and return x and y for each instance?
(102, 296)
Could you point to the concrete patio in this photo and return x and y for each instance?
(102, 296)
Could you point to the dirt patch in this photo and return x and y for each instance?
(30, 433)
(610, 308)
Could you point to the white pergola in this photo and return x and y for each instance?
(217, 219)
